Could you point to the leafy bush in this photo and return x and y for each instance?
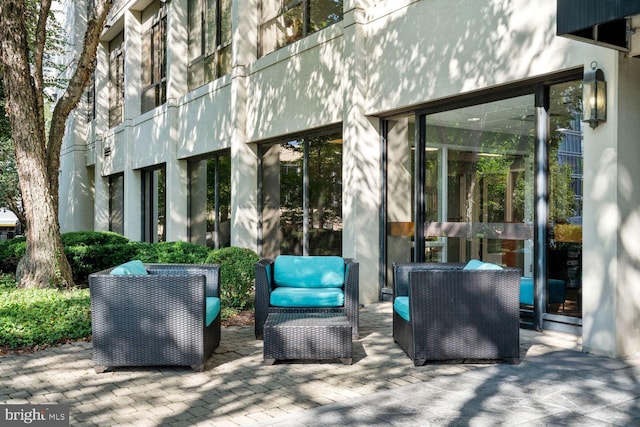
(10, 253)
(85, 260)
(93, 238)
(237, 274)
(91, 251)
(172, 252)
(41, 316)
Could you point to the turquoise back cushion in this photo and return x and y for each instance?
(309, 271)
(307, 297)
(131, 267)
(401, 306)
(476, 264)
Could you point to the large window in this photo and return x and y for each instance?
(301, 187)
(210, 200)
(154, 59)
(116, 80)
(285, 21)
(209, 40)
(116, 203)
(154, 205)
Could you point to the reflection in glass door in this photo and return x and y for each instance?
(484, 156)
(461, 185)
(564, 240)
(301, 196)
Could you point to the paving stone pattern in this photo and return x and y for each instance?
(554, 384)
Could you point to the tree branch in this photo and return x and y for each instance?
(39, 45)
(69, 100)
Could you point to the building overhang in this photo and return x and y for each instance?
(610, 23)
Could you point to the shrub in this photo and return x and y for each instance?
(172, 252)
(93, 238)
(91, 251)
(85, 260)
(10, 253)
(237, 274)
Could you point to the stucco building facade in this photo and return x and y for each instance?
(380, 130)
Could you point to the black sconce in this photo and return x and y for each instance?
(594, 97)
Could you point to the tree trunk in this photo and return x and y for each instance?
(44, 263)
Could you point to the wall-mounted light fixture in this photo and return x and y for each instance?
(594, 97)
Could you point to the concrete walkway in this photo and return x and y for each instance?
(555, 384)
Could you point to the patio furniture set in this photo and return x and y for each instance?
(305, 308)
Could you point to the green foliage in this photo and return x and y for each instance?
(172, 252)
(11, 251)
(85, 260)
(91, 251)
(13, 247)
(237, 274)
(31, 317)
(88, 238)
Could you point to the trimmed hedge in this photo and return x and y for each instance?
(237, 274)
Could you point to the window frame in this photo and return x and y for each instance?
(116, 80)
(286, 6)
(209, 51)
(154, 61)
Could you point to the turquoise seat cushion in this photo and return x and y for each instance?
(526, 290)
(212, 310)
(309, 271)
(401, 306)
(286, 296)
(476, 264)
(131, 267)
(556, 291)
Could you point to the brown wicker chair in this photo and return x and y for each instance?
(155, 319)
(456, 314)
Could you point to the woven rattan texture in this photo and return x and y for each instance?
(308, 336)
(155, 319)
(460, 315)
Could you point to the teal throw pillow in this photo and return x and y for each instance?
(476, 264)
(129, 268)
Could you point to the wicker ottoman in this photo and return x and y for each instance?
(308, 336)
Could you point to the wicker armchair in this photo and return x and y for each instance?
(155, 319)
(456, 314)
(265, 284)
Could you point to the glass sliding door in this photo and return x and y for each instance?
(461, 185)
(564, 240)
(478, 183)
(465, 177)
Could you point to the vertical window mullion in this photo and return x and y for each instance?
(419, 172)
(203, 27)
(305, 198)
(216, 201)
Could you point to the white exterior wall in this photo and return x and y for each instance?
(385, 56)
